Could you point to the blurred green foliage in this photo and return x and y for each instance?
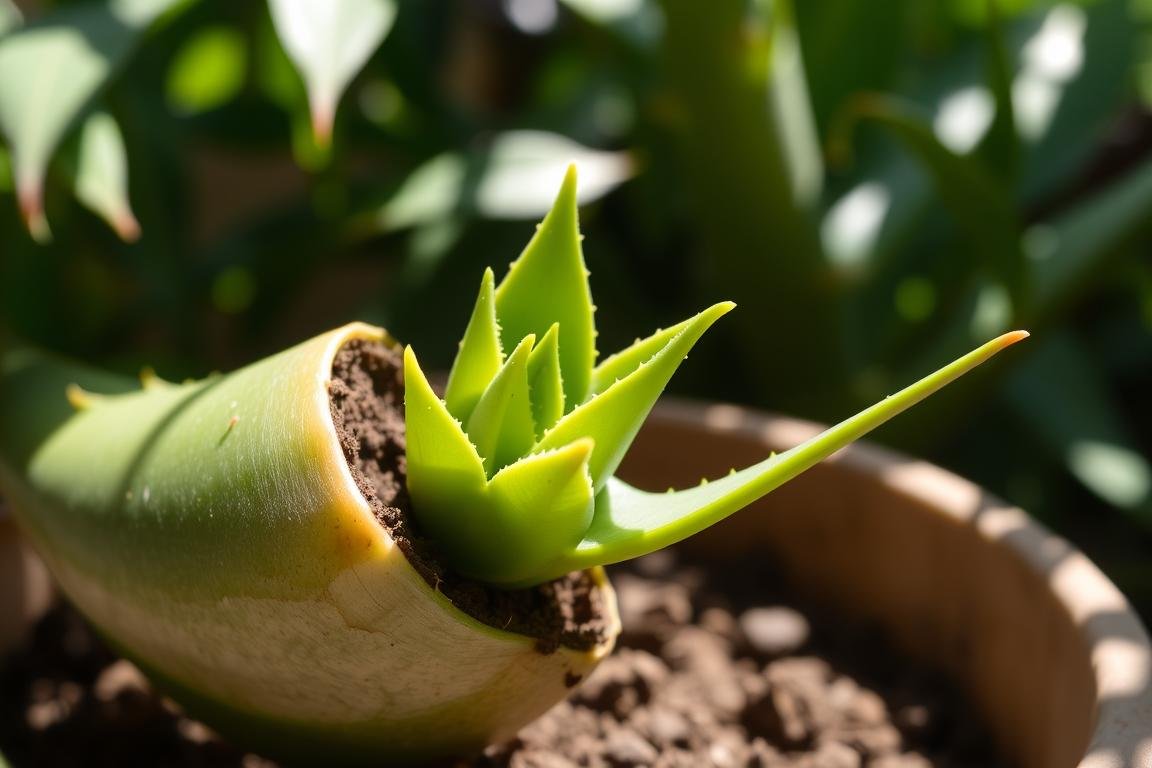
(879, 185)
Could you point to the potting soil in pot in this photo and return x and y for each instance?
(711, 671)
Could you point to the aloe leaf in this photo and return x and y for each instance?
(629, 522)
(549, 284)
(501, 425)
(617, 366)
(479, 358)
(102, 174)
(443, 465)
(536, 508)
(546, 382)
(613, 417)
(329, 42)
(56, 66)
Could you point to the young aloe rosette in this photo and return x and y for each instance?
(511, 473)
(217, 533)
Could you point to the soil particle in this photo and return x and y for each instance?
(367, 397)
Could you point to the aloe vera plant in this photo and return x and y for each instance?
(215, 533)
(511, 473)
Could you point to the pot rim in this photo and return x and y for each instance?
(1115, 642)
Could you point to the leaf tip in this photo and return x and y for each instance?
(323, 117)
(1011, 338)
(30, 195)
(126, 226)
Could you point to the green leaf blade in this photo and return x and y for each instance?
(546, 382)
(629, 522)
(549, 284)
(479, 358)
(538, 510)
(613, 417)
(443, 466)
(623, 363)
(501, 424)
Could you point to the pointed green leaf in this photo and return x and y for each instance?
(549, 284)
(538, 511)
(629, 522)
(443, 466)
(102, 174)
(545, 381)
(479, 357)
(501, 424)
(612, 369)
(329, 42)
(63, 61)
(614, 417)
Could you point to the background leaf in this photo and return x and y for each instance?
(102, 174)
(329, 42)
(64, 60)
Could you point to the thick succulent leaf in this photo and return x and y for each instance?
(443, 466)
(102, 174)
(612, 369)
(501, 424)
(479, 357)
(549, 284)
(329, 42)
(63, 60)
(538, 508)
(629, 522)
(546, 382)
(613, 417)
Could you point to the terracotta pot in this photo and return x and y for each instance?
(1041, 640)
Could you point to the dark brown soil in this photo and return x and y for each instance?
(367, 396)
(710, 672)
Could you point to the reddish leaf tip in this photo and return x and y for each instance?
(1011, 338)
